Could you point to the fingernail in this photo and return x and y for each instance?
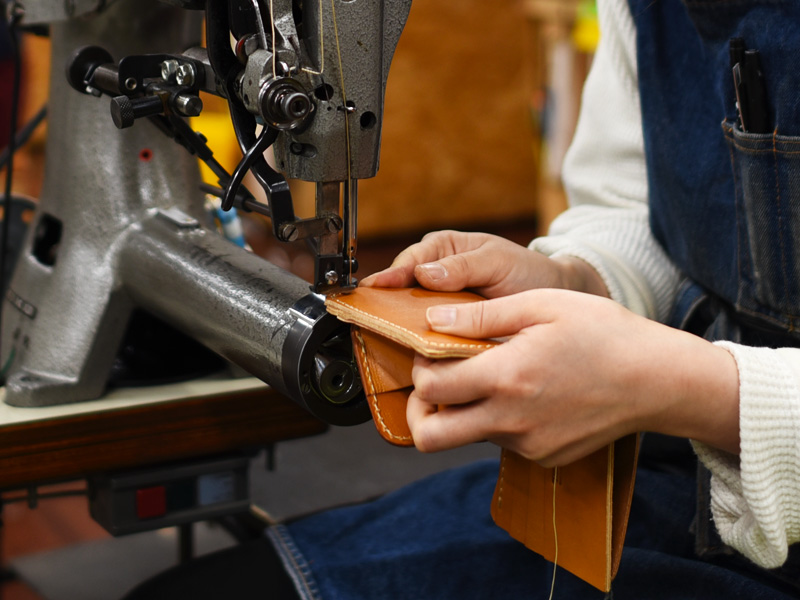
(433, 271)
(368, 280)
(441, 316)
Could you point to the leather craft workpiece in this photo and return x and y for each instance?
(592, 496)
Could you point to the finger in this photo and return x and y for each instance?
(451, 382)
(392, 277)
(434, 430)
(476, 269)
(401, 272)
(405, 269)
(498, 317)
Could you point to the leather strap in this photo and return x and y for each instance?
(592, 496)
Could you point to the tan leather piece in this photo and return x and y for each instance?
(399, 313)
(593, 495)
(592, 503)
(385, 368)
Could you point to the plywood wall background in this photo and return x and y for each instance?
(458, 145)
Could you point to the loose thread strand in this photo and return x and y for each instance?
(555, 535)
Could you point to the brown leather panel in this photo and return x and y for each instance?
(399, 313)
(626, 457)
(592, 504)
(392, 362)
(385, 368)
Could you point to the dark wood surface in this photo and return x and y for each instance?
(73, 447)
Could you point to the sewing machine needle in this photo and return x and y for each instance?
(350, 226)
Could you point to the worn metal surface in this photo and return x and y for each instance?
(120, 225)
(351, 55)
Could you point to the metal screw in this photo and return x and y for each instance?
(131, 83)
(185, 74)
(333, 224)
(169, 68)
(188, 105)
(289, 232)
(331, 277)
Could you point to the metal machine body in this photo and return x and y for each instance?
(120, 224)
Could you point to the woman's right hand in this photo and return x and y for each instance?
(490, 265)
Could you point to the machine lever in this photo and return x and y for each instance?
(125, 111)
(263, 142)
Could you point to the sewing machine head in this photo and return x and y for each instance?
(306, 78)
(121, 223)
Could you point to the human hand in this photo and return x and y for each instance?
(579, 372)
(492, 266)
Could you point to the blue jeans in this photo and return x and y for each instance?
(435, 540)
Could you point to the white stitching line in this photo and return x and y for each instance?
(373, 396)
(501, 482)
(410, 332)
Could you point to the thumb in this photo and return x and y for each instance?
(490, 318)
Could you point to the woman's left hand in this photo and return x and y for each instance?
(578, 372)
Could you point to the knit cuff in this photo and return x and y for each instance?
(756, 504)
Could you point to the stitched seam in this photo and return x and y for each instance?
(739, 243)
(412, 333)
(781, 242)
(295, 564)
(500, 483)
(373, 396)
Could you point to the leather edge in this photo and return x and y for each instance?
(373, 397)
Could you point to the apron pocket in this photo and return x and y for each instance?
(766, 170)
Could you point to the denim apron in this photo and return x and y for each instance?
(724, 202)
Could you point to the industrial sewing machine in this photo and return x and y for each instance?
(120, 230)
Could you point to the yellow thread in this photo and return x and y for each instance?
(501, 482)
(332, 301)
(274, 50)
(347, 200)
(344, 93)
(373, 394)
(555, 534)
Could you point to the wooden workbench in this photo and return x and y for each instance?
(134, 427)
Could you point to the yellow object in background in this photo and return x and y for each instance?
(586, 33)
(215, 124)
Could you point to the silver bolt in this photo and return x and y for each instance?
(169, 69)
(185, 74)
(331, 277)
(333, 224)
(188, 105)
(289, 232)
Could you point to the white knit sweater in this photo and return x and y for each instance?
(755, 496)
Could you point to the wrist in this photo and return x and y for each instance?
(700, 382)
(577, 275)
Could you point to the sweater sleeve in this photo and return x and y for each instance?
(605, 176)
(755, 497)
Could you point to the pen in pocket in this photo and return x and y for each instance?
(750, 88)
